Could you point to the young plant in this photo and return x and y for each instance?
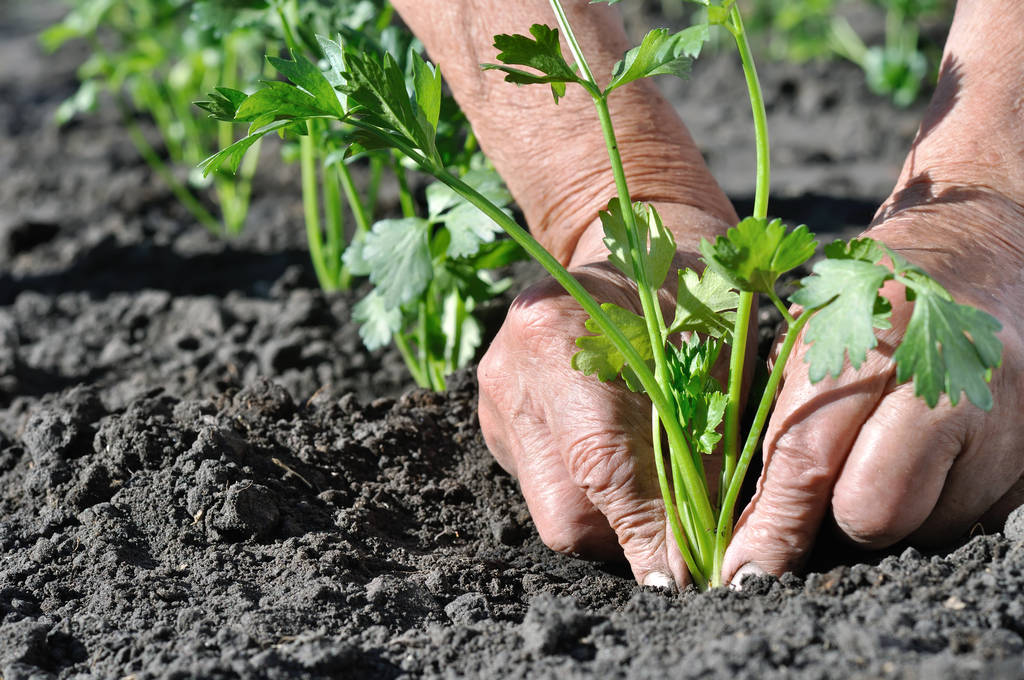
(428, 273)
(800, 30)
(153, 57)
(948, 347)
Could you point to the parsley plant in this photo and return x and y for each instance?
(948, 348)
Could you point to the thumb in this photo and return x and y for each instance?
(806, 445)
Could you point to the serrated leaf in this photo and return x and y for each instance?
(753, 254)
(378, 321)
(279, 99)
(845, 326)
(305, 74)
(599, 356)
(379, 88)
(397, 254)
(232, 155)
(700, 403)
(657, 245)
(223, 103)
(541, 52)
(705, 304)
(864, 249)
(468, 227)
(948, 348)
(660, 53)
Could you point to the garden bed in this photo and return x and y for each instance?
(203, 474)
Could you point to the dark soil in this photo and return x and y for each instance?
(202, 475)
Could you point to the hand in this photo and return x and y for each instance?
(581, 449)
(887, 466)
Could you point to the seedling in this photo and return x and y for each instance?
(429, 273)
(813, 29)
(948, 348)
(153, 58)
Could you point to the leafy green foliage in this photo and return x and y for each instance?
(599, 355)
(430, 273)
(541, 52)
(699, 400)
(655, 243)
(847, 291)
(661, 52)
(948, 347)
(705, 304)
(754, 253)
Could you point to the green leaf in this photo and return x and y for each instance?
(468, 227)
(378, 320)
(335, 55)
(754, 253)
(598, 355)
(657, 245)
(542, 52)
(223, 103)
(305, 74)
(699, 400)
(278, 99)
(232, 155)
(705, 304)
(845, 326)
(864, 249)
(427, 86)
(379, 89)
(948, 347)
(396, 253)
(660, 53)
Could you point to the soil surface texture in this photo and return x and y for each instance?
(204, 475)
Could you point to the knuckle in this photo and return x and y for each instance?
(599, 463)
(797, 468)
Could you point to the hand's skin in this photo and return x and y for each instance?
(581, 450)
(886, 465)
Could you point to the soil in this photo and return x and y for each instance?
(203, 475)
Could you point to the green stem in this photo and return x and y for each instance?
(355, 204)
(781, 306)
(733, 412)
(760, 115)
(691, 478)
(311, 206)
(724, 532)
(405, 198)
(733, 466)
(335, 222)
(415, 370)
(673, 510)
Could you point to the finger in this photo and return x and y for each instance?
(806, 444)
(897, 468)
(511, 408)
(984, 479)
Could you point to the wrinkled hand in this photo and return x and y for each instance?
(886, 465)
(580, 448)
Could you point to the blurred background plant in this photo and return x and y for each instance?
(156, 60)
(804, 30)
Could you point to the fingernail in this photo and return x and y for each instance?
(748, 569)
(657, 579)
